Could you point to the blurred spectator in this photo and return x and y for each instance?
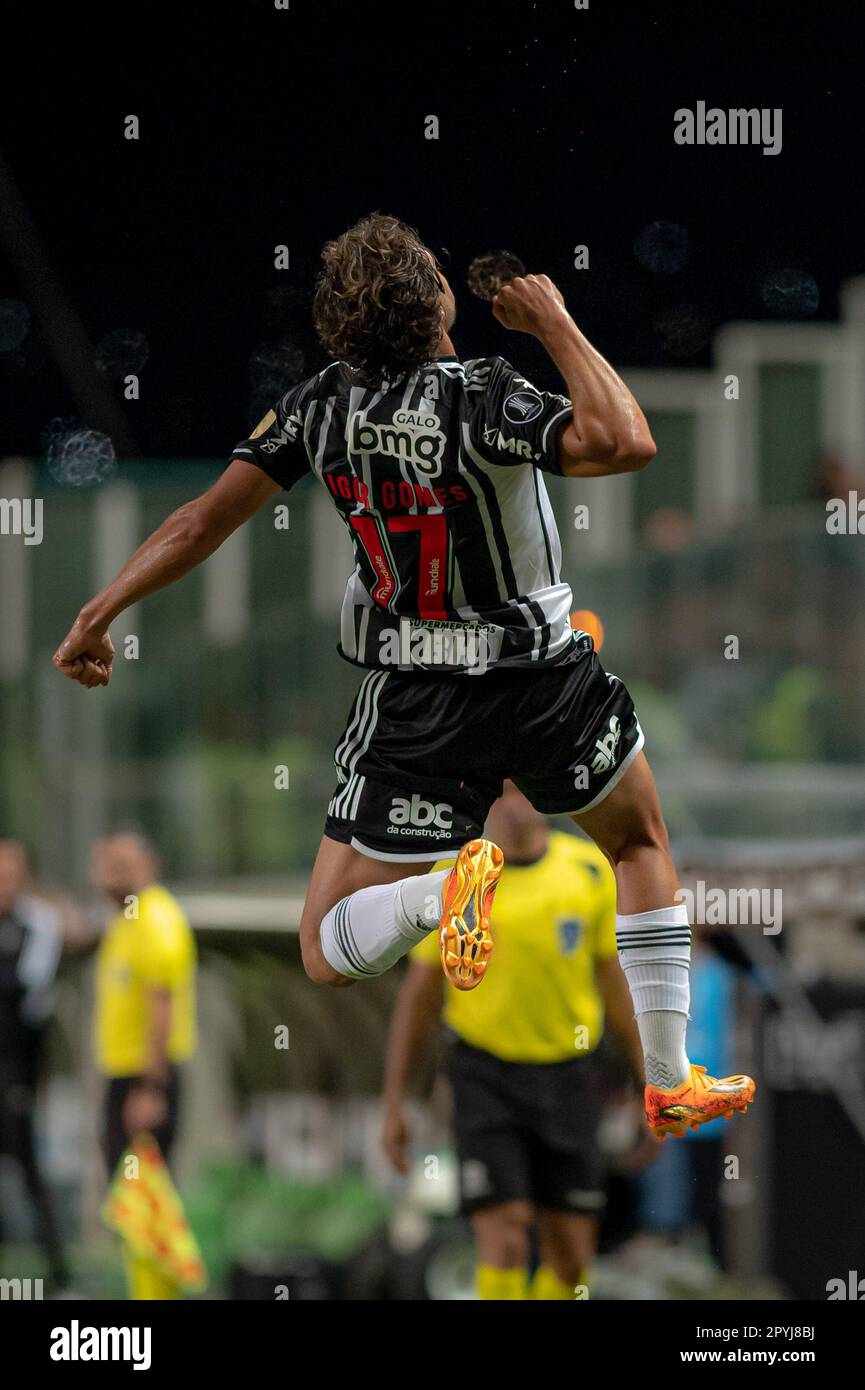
(836, 476)
(669, 529)
(30, 946)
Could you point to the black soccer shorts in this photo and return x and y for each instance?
(527, 1132)
(423, 757)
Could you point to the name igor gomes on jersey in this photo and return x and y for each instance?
(438, 478)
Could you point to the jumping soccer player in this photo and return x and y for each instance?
(457, 607)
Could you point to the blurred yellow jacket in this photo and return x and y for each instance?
(154, 949)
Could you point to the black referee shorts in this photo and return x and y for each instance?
(527, 1132)
(423, 757)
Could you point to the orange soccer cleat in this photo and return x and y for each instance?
(465, 939)
(696, 1101)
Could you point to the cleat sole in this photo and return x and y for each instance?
(465, 938)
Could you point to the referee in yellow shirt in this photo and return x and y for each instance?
(145, 995)
(526, 1093)
(144, 1027)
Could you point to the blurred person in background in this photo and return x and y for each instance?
(30, 947)
(145, 1026)
(526, 1088)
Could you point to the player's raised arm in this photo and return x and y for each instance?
(187, 537)
(609, 433)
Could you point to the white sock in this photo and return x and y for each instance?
(370, 930)
(655, 954)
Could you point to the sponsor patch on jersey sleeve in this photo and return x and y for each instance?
(521, 407)
(276, 444)
(517, 423)
(264, 425)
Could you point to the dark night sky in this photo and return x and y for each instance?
(261, 127)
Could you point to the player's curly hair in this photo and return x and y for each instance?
(378, 302)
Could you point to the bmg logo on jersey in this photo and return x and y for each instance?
(416, 816)
(414, 437)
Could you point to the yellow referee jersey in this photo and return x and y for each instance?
(155, 950)
(551, 921)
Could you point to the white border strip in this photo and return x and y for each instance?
(446, 852)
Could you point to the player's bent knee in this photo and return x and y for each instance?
(319, 970)
(651, 833)
(638, 834)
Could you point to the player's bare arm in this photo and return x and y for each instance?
(184, 540)
(609, 432)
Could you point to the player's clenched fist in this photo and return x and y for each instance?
(530, 304)
(85, 656)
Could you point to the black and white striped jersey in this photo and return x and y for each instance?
(439, 479)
